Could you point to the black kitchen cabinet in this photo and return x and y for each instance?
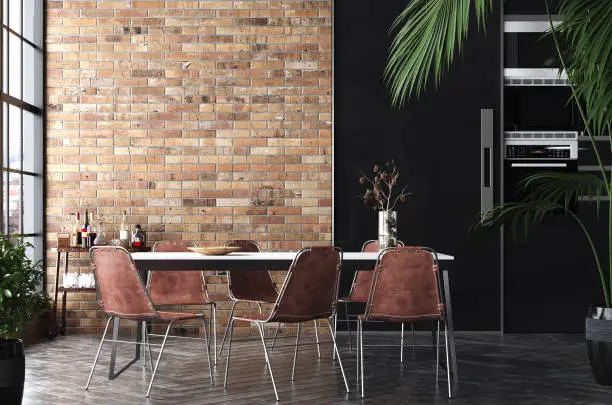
(436, 142)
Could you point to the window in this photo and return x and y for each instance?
(21, 119)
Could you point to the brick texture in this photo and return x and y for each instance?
(205, 120)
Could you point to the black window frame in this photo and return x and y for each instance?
(38, 111)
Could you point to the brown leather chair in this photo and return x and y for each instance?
(183, 287)
(360, 288)
(406, 287)
(309, 293)
(122, 294)
(253, 286)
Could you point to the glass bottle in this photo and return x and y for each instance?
(124, 233)
(138, 237)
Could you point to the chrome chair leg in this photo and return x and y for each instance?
(207, 343)
(98, 353)
(358, 345)
(297, 343)
(438, 354)
(147, 341)
(361, 357)
(402, 345)
(448, 365)
(230, 324)
(259, 305)
(316, 323)
(214, 327)
(348, 325)
(263, 342)
(161, 351)
(339, 359)
(335, 332)
(275, 335)
(227, 327)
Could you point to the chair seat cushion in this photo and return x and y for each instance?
(268, 296)
(216, 297)
(178, 316)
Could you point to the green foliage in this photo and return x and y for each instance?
(20, 280)
(428, 33)
(586, 32)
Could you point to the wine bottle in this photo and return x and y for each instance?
(84, 237)
(77, 229)
(138, 237)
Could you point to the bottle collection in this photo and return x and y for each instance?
(85, 235)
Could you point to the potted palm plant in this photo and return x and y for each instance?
(428, 34)
(20, 300)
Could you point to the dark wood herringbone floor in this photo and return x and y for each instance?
(513, 369)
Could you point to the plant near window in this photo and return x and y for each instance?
(20, 280)
(428, 33)
(20, 300)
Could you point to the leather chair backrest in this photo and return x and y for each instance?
(363, 279)
(171, 287)
(250, 285)
(310, 290)
(119, 287)
(405, 287)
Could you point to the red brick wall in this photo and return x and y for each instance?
(205, 120)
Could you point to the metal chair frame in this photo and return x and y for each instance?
(145, 342)
(212, 308)
(360, 346)
(347, 317)
(236, 301)
(260, 327)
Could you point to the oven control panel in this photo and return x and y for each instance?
(538, 152)
(543, 145)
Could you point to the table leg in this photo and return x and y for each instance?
(57, 269)
(64, 296)
(139, 338)
(451, 328)
(111, 367)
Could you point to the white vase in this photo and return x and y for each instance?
(387, 229)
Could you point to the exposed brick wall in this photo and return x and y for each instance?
(205, 120)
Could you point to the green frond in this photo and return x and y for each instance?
(428, 34)
(563, 188)
(586, 33)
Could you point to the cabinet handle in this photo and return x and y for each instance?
(486, 159)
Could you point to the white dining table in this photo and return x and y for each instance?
(245, 261)
(148, 261)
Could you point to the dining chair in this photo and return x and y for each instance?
(253, 286)
(309, 293)
(171, 287)
(360, 287)
(121, 293)
(406, 287)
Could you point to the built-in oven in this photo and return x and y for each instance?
(529, 152)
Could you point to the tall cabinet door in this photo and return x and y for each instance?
(437, 142)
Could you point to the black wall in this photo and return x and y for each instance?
(436, 142)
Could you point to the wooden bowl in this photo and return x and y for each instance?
(215, 250)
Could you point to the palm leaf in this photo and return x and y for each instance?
(563, 188)
(586, 35)
(428, 34)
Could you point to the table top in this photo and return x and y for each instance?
(263, 260)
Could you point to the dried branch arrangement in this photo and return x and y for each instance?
(382, 190)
